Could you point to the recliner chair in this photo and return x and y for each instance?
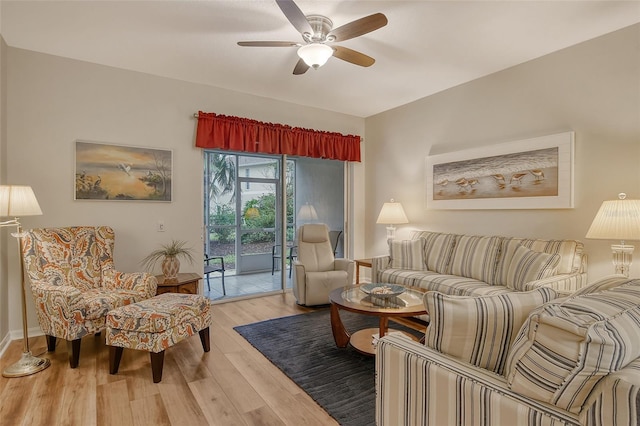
(316, 271)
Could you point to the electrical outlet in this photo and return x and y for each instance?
(160, 226)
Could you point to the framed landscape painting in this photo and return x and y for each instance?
(117, 172)
(533, 173)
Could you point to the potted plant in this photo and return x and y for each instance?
(169, 254)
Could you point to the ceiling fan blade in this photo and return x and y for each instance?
(352, 56)
(359, 27)
(268, 43)
(301, 67)
(295, 16)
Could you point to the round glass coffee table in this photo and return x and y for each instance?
(354, 299)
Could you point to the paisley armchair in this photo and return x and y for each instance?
(74, 282)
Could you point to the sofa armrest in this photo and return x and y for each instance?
(564, 283)
(378, 264)
(615, 400)
(418, 385)
(345, 265)
(141, 282)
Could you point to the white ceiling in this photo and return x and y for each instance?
(428, 46)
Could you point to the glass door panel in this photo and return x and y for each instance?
(220, 207)
(319, 188)
(257, 225)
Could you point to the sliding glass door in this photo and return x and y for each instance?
(244, 214)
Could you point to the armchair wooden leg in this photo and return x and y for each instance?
(157, 362)
(51, 343)
(115, 355)
(73, 348)
(204, 338)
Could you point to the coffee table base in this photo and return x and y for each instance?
(349, 299)
(362, 340)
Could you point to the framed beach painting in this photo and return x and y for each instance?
(117, 172)
(532, 173)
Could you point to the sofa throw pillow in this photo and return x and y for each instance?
(570, 253)
(480, 329)
(528, 265)
(437, 250)
(406, 254)
(565, 347)
(475, 257)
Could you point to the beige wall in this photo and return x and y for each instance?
(53, 101)
(592, 88)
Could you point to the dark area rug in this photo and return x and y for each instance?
(302, 346)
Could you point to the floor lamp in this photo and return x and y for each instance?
(16, 201)
(618, 220)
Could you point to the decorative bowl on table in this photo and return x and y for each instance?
(393, 302)
(382, 290)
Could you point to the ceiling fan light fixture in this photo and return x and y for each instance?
(315, 54)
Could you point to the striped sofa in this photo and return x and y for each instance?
(573, 360)
(481, 265)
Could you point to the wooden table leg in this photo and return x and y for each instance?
(384, 324)
(340, 334)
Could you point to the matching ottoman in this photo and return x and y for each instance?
(156, 324)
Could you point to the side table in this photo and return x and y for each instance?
(361, 262)
(185, 283)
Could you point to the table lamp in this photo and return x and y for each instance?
(15, 201)
(618, 220)
(307, 213)
(391, 214)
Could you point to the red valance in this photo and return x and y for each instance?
(217, 131)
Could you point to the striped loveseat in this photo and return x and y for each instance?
(481, 265)
(574, 360)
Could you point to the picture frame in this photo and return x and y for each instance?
(105, 171)
(534, 173)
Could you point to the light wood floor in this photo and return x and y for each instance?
(233, 384)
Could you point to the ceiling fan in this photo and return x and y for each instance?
(317, 31)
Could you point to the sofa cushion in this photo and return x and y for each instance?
(480, 329)
(570, 252)
(455, 285)
(437, 249)
(475, 257)
(528, 265)
(565, 347)
(406, 254)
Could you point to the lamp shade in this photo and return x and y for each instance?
(392, 213)
(307, 213)
(18, 201)
(315, 54)
(617, 220)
